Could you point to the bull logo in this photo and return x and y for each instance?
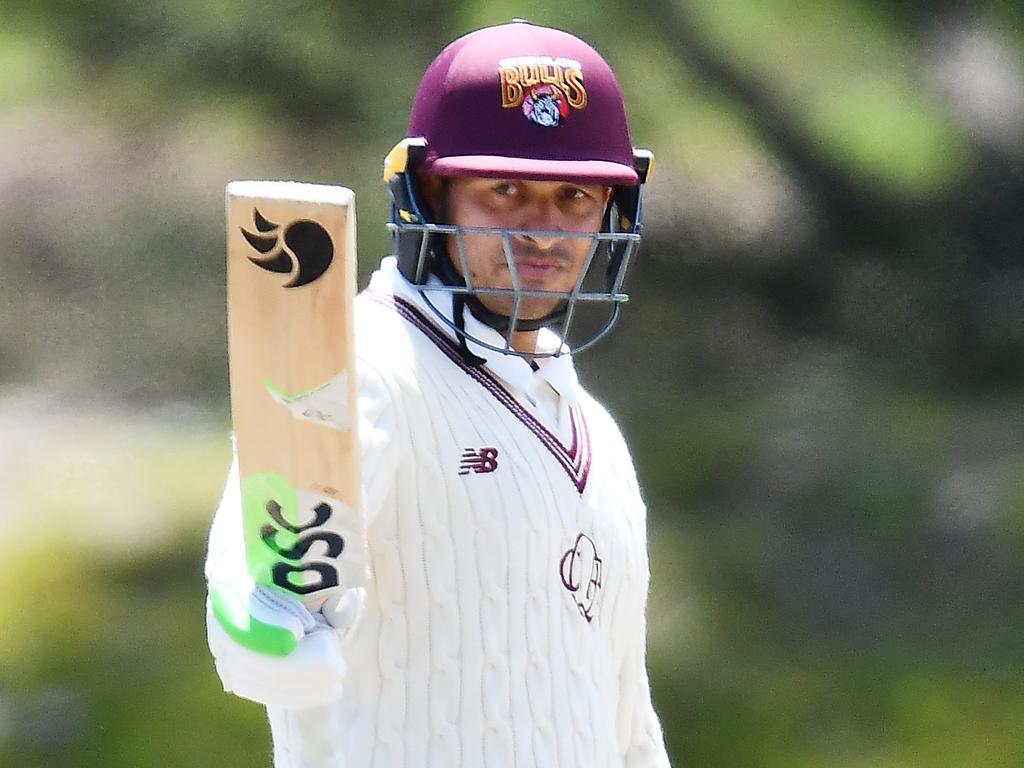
(546, 106)
(580, 569)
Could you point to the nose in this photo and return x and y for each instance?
(542, 243)
(542, 216)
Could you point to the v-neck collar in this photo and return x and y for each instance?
(575, 458)
(559, 372)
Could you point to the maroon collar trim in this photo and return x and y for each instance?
(574, 459)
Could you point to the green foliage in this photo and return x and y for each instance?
(103, 661)
(885, 132)
(111, 669)
(857, 101)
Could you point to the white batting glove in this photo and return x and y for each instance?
(268, 647)
(300, 662)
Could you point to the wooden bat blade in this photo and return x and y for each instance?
(291, 286)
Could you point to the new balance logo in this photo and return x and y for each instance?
(478, 461)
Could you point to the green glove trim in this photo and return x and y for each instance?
(248, 632)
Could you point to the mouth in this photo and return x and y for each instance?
(537, 268)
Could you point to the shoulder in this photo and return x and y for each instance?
(396, 342)
(601, 422)
(608, 439)
(378, 320)
(383, 345)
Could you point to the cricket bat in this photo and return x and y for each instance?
(291, 251)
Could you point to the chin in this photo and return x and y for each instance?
(534, 312)
(527, 310)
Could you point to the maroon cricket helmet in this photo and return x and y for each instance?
(517, 101)
(523, 101)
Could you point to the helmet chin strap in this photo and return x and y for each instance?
(501, 323)
(459, 316)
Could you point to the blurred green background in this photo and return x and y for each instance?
(821, 373)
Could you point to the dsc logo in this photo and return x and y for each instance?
(279, 542)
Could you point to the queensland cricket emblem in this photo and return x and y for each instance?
(302, 250)
(545, 88)
(580, 569)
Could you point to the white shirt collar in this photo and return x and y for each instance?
(559, 371)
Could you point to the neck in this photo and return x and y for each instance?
(525, 341)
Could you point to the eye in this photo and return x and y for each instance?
(504, 189)
(574, 193)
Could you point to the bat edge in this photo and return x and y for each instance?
(293, 191)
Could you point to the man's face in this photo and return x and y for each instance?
(548, 263)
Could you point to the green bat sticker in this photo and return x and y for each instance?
(270, 513)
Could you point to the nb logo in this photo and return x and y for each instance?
(479, 461)
(303, 251)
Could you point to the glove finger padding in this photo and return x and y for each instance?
(308, 675)
(260, 618)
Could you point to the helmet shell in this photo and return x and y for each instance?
(523, 101)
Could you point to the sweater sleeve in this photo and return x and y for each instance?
(639, 728)
(640, 731)
(379, 447)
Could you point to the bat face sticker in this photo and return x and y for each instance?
(303, 250)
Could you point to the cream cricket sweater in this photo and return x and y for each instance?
(504, 624)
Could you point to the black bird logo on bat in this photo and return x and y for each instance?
(304, 250)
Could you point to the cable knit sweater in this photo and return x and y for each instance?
(504, 623)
